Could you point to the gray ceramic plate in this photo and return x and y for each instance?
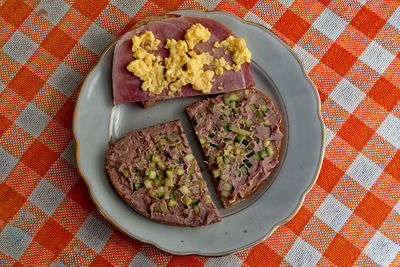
(278, 73)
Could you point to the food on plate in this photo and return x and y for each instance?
(240, 134)
(173, 56)
(156, 174)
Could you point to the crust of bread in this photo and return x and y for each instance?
(224, 202)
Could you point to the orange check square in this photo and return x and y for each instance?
(39, 157)
(100, 261)
(69, 215)
(7, 30)
(14, 12)
(64, 115)
(373, 210)
(339, 59)
(346, 9)
(178, 261)
(367, 22)
(231, 6)
(30, 181)
(325, 2)
(247, 3)
(314, 230)
(292, 26)
(262, 253)
(58, 43)
(385, 93)
(4, 124)
(53, 236)
(355, 132)
(26, 83)
(299, 221)
(74, 23)
(120, 249)
(11, 104)
(30, 256)
(348, 192)
(80, 195)
(357, 231)
(168, 4)
(91, 9)
(329, 175)
(10, 202)
(8, 67)
(393, 168)
(308, 10)
(55, 137)
(341, 252)
(16, 141)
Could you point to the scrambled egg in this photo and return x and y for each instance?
(238, 47)
(183, 65)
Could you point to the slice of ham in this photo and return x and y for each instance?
(127, 87)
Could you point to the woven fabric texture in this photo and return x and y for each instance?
(350, 50)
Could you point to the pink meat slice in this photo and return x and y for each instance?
(127, 87)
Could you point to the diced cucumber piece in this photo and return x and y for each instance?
(189, 157)
(226, 152)
(240, 131)
(233, 98)
(211, 135)
(225, 194)
(228, 187)
(172, 203)
(202, 140)
(163, 205)
(238, 173)
(161, 164)
(225, 176)
(216, 173)
(248, 163)
(228, 141)
(249, 123)
(152, 174)
(264, 153)
(228, 127)
(180, 171)
(212, 108)
(147, 184)
(267, 123)
(184, 190)
(228, 113)
(160, 193)
(152, 166)
(270, 151)
(239, 138)
(259, 114)
(155, 158)
(138, 186)
(226, 100)
(235, 110)
(264, 108)
(196, 209)
(169, 182)
(226, 160)
(232, 104)
(244, 170)
(250, 154)
(124, 170)
(254, 106)
(258, 155)
(207, 198)
(214, 145)
(266, 143)
(195, 201)
(187, 200)
(147, 172)
(245, 142)
(170, 174)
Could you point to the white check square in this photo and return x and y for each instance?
(333, 213)
(395, 18)
(94, 233)
(377, 57)
(46, 196)
(96, 38)
(330, 24)
(308, 60)
(347, 95)
(364, 171)
(33, 120)
(390, 130)
(302, 254)
(55, 9)
(381, 249)
(20, 47)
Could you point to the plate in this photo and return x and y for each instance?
(278, 73)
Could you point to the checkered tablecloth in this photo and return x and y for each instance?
(351, 51)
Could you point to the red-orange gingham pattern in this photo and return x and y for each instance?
(350, 50)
